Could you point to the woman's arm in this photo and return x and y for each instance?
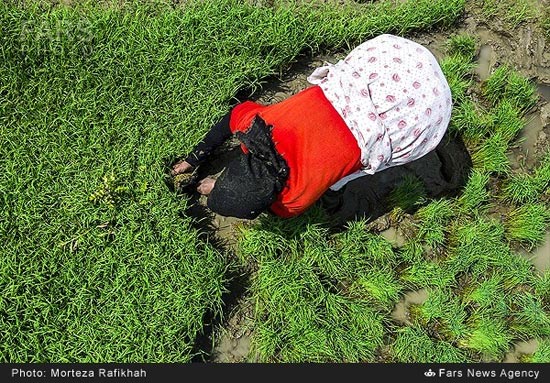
(214, 138)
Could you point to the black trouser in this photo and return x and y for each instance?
(443, 171)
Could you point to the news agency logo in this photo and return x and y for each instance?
(429, 373)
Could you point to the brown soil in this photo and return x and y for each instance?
(523, 47)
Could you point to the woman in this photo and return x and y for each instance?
(386, 104)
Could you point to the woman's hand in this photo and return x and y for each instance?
(181, 167)
(206, 185)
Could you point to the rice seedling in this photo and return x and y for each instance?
(378, 285)
(542, 286)
(490, 155)
(475, 193)
(488, 295)
(432, 220)
(414, 345)
(428, 274)
(520, 188)
(472, 122)
(457, 70)
(463, 44)
(527, 224)
(475, 245)
(408, 194)
(114, 90)
(487, 335)
(541, 355)
(512, 12)
(542, 174)
(357, 245)
(300, 320)
(445, 310)
(505, 83)
(507, 120)
(514, 269)
(529, 316)
(412, 251)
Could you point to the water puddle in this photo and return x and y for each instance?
(544, 91)
(530, 134)
(541, 255)
(401, 311)
(521, 348)
(486, 60)
(393, 236)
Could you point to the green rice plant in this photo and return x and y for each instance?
(446, 310)
(431, 221)
(490, 155)
(472, 122)
(412, 251)
(488, 295)
(542, 286)
(457, 70)
(413, 345)
(428, 274)
(527, 224)
(542, 353)
(545, 23)
(511, 12)
(507, 120)
(520, 188)
(488, 336)
(462, 44)
(542, 174)
(299, 320)
(254, 243)
(505, 83)
(514, 269)
(103, 89)
(378, 285)
(358, 246)
(529, 316)
(475, 193)
(409, 193)
(475, 245)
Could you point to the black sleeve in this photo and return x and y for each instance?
(214, 138)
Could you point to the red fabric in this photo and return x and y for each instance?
(313, 139)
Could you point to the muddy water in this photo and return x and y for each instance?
(401, 311)
(541, 255)
(486, 61)
(521, 348)
(394, 236)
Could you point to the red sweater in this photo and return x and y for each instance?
(313, 139)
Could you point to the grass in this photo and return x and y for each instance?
(408, 194)
(475, 193)
(490, 155)
(527, 224)
(488, 337)
(99, 263)
(511, 12)
(506, 83)
(414, 345)
(432, 221)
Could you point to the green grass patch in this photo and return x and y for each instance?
(506, 83)
(527, 224)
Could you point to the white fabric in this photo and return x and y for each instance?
(394, 98)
